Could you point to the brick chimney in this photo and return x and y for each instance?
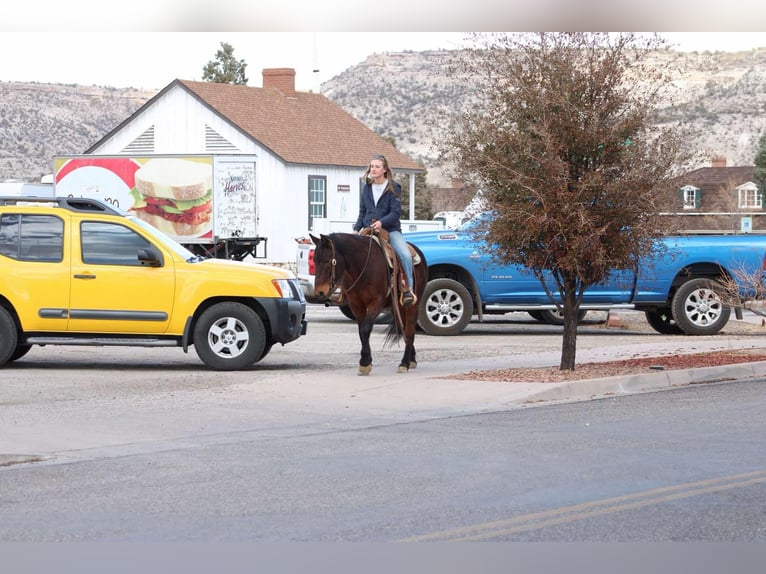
(283, 79)
(718, 161)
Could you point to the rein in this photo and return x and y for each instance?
(334, 262)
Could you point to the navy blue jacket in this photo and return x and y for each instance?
(388, 211)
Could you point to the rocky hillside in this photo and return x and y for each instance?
(406, 96)
(40, 121)
(721, 95)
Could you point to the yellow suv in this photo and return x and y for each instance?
(77, 271)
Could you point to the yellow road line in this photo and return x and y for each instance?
(555, 516)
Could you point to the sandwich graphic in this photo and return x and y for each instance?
(174, 195)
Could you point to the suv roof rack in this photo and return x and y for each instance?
(71, 203)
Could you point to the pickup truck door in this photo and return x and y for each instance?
(111, 292)
(509, 284)
(517, 285)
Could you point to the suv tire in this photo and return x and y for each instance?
(229, 336)
(8, 336)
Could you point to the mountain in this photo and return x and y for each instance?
(406, 96)
(40, 121)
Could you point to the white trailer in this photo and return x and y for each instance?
(207, 202)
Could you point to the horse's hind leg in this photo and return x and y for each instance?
(365, 359)
(408, 359)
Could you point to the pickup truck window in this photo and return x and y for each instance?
(110, 244)
(32, 237)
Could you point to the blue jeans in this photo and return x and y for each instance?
(397, 241)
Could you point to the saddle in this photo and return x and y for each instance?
(398, 278)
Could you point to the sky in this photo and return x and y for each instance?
(152, 60)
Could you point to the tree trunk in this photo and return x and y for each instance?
(569, 340)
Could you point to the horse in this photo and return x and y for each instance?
(358, 267)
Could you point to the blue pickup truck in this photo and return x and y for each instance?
(679, 292)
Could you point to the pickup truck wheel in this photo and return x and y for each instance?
(554, 316)
(8, 336)
(662, 321)
(445, 308)
(697, 308)
(347, 312)
(385, 317)
(229, 336)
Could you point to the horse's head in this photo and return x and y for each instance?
(328, 269)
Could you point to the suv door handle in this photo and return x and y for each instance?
(84, 276)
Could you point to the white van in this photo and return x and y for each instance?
(24, 189)
(451, 219)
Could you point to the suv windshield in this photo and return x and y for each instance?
(160, 237)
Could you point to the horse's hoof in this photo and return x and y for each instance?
(402, 369)
(365, 370)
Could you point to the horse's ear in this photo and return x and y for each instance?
(316, 240)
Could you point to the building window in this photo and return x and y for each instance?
(691, 197)
(749, 196)
(317, 198)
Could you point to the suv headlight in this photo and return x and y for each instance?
(288, 288)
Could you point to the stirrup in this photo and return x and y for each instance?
(408, 298)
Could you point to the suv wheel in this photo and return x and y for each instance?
(8, 336)
(20, 351)
(229, 336)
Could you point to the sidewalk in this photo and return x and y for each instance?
(279, 403)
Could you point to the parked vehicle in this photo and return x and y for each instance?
(451, 219)
(33, 189)
(679, 292)
(78, 271)
(205, 202)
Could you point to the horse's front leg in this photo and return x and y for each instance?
(365, 360)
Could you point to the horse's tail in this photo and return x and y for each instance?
(395, 329)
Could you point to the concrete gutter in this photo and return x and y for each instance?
(587, 389)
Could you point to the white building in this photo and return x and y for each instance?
(310, 154)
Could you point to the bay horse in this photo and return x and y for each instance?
(357, 265)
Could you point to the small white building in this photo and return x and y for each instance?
(310, 154)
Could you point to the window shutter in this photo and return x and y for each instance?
(697, 198)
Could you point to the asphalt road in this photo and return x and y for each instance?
(690, 467)
(144, 445)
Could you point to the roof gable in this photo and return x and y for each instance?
(306, 128)
(718, 179)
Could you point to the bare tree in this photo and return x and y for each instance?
(566, 152)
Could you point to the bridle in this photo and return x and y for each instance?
(334, 261)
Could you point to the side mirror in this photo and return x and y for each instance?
(150, 257)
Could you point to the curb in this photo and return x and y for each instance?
(586, 389)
